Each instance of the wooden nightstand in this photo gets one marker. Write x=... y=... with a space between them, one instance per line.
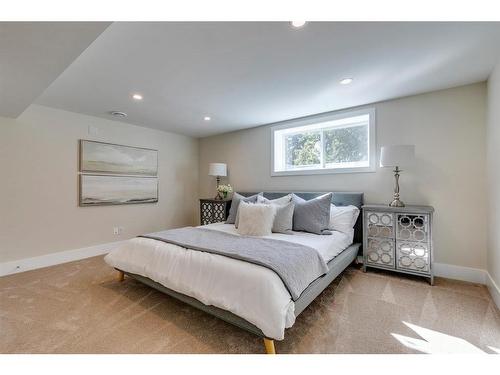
x=398 y=239
x=213 y=210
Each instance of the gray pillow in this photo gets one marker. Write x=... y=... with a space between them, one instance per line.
x=283 y=221
x=312 y=216
x=284 y=215
x=231 y=218
x=283 y=200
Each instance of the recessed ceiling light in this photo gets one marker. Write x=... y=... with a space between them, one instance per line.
x=207 y=118
x=346 y=81
x=298 y=24
x=118 y=114
x=137 y=96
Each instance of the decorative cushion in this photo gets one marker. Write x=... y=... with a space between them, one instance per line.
x=281 y=201
x=313 y=215
x=343 y=218
x=283 y=221
x=231 y=218
x=256 y=219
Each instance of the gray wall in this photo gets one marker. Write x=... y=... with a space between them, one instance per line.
x=39 y=211
x=449 y=130
x=493 y=168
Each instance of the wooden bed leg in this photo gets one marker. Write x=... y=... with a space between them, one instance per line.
x=269 y=344
x=121 y=276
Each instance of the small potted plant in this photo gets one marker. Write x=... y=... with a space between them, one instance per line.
x=223 y=191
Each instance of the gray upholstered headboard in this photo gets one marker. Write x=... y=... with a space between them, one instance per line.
x=339 y=198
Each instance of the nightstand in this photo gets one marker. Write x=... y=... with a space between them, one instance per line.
x=213 y=210
x=398 y=239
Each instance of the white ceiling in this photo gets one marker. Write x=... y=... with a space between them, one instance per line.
x=34 y=54
x=249 y=74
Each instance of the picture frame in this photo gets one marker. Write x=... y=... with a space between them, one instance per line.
x=111 y=158
x=114 y=174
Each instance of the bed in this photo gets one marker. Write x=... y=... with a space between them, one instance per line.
x=204 y=280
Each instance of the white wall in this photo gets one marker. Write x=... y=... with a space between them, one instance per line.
x=493 y=168
x=39 y=211
x=448 y=128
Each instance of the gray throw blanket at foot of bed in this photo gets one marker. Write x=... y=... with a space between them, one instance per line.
x=297 y=265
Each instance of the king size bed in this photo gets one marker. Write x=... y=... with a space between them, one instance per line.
x=260 y=284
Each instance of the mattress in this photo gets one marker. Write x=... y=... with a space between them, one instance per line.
x=259 y=296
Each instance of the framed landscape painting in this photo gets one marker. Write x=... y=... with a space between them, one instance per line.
x=111 y=189
x=108 y=158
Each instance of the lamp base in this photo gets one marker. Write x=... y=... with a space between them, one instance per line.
x=396 y=203
x=218 y=197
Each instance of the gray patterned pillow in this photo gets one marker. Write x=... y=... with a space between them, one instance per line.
x=283 y=221
x=281 y=201
x=231 y=218
x=313 y=215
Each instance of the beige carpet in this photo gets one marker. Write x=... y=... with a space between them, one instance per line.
x=79 y=308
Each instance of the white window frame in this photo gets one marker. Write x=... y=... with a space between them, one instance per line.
x=290 y=124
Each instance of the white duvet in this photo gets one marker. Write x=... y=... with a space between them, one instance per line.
x=252 y=292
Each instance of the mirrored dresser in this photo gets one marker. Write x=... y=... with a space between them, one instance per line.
x=398 y=239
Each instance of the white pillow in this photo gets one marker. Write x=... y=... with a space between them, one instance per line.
x=256 y=219
x=343 y=218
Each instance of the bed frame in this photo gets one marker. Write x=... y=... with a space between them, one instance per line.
x=336 y=266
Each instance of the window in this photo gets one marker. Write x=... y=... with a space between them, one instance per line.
x=334 y=143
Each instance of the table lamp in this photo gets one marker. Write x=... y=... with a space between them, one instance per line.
x=218 y=170
x=397 y=156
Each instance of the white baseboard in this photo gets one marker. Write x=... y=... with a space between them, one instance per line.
x=494 y=289
x=473 y=275
x=21 y=265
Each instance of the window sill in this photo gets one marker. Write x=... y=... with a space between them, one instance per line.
x=307 y=172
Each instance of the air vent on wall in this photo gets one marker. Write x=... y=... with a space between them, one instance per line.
x=118 y=114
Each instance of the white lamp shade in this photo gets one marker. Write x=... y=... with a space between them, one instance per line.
x=217 y=169
x=397 y=156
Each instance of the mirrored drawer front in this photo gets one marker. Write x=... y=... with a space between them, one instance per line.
x=380 y=251
x=412 y=227
x=380 y=224
x=413 y=256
